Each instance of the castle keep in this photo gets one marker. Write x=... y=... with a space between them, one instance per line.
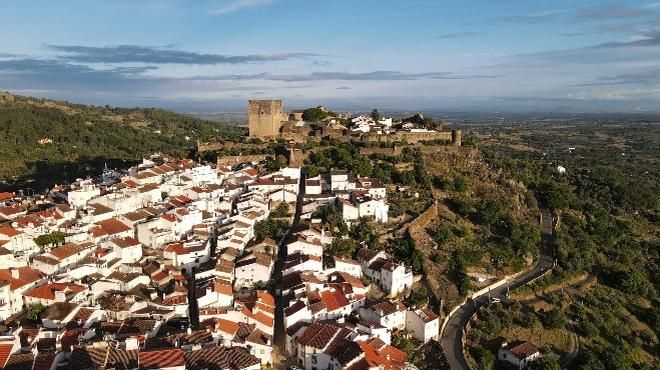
x=265 y=117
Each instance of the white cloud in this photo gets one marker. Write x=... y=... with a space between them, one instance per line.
x=236 y=5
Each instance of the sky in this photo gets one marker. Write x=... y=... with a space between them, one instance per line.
x=504 y=55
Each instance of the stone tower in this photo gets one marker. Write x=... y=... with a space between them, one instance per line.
x=456 y=137
x=264 y=117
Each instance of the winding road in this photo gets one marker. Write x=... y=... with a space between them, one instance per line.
x=452 y=337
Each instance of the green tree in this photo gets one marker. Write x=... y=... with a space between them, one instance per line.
x=486 y=359
x=555 y=318
x=315 y=114
x=343 y=248
x=34 y=312
x=282 y=210
x=490 y=211
x=375 y=115
x=54 y=238
x=544 y=363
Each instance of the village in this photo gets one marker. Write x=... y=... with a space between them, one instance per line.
x=177 y=264
x=159 y=266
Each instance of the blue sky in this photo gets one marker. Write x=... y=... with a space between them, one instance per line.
x=206 y=54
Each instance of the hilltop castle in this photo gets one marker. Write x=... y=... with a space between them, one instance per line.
x=267 y=119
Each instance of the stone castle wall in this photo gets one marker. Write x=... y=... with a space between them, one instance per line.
x=413 y=137
x=230 y=160
x=424 y=219
x=385 y=151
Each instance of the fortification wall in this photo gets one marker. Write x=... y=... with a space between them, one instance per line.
x=230 y=160
x=212 y=146
x=412 y=137
x=385 y=151
x=424 y=219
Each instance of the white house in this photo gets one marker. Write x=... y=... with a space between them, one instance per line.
x=310 y=246
x=388 y=313
x=127 y=249
x=519 y=353
x=364 y=206
x=423 y=323
x=252 y=268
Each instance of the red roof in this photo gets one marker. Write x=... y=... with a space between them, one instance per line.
x=251 y=171
x=225 y=326
x=98 y=232
x=334 y=299
x=176 y=300
x=169 y=217
x=113 y=226
x=161 y=359
x=5 y=351
x=9 y=231
x=6 y=195
x=66 y=250
x=125 y=242
x=47 y=291
x=387 y=356
x=26 y=275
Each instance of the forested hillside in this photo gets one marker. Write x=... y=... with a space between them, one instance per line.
x=41 y=141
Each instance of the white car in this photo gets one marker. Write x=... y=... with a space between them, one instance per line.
x=495 y=300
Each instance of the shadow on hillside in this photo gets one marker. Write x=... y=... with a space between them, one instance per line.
x=43 y=174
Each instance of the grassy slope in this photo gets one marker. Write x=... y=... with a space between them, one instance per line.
x=85 y=137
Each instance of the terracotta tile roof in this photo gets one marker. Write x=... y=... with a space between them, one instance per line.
x=175 y=300
x=223 y=288
x=58 y=311
x=224 y=265
x=343 y=277
x=120 y=359
x=522 y=349
x=387 y=357
x=7 y=195
x=125 y=242
x=21 y=361
x=169 y=217
x=259 y=337
x=87 y=358
x=26 y=275
x=427 y=315
x=113 y=226
x=68 y=250
x=225 y=326
x=220 y=358
x=98 y=232
x=299 y=305
x=47 y=291
x=82 y=315
x=176 y=248
x=9 y=231
x=161 y=358
x=47 y=260
x=318 y=335
x=334 y=299
x=11 y=210
x=387 y=307
x=44 y=361
x=345 y=351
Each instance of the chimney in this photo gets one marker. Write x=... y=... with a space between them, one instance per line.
x=60 y=296
x=15 y=273
x=132 y=343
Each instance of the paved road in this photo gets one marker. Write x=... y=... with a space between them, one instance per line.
x=452 y=338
